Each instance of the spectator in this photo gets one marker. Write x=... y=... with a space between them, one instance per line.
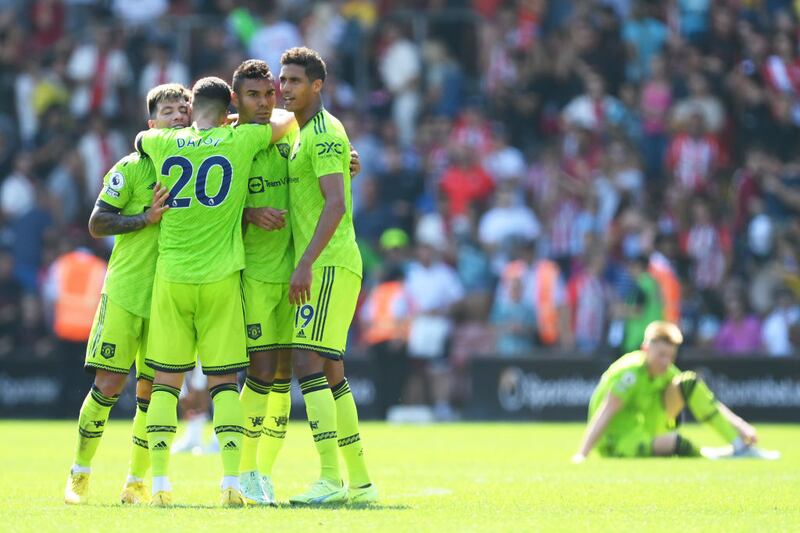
x=514 y=319
x=100 y=72
x=272 y=38
x=373 y=216
x=700 y=101
x=162 y=68
x=17 y=193
x=589 y=300
x=740 y=333
x=99 y=148
x=444 y=81
x=465 y=182
x=694 y=156
x=400 y=68
x=47 y=23
x=655 y=103
x=645 y=36
x=384 y=317
x=504 y=161
x=643 y=305
x=707 y=244
x=595 y=110
x=506 y=221
x=433 y=289
x=779 y=332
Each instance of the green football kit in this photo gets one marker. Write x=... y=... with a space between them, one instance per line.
x=321 y=325
x=119 y=334
x=643 y=416
x=197 y=305
x=269 y=255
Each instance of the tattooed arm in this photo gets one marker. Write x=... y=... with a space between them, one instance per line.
x=106 y=220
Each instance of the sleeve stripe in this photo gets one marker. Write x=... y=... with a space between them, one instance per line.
x=107 y=206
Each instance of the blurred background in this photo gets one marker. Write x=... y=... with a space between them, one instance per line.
x=540 y=179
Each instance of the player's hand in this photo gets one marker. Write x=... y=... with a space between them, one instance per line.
x=578 y=458
x=300 y=285
x=266 y=218
x=355 y=163
x=158 y=206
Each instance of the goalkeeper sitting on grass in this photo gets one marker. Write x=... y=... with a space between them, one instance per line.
x=633 y=410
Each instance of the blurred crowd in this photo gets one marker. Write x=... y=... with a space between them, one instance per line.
x=537 y=176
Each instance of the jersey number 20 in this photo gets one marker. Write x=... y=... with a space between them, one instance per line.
x=200 y=191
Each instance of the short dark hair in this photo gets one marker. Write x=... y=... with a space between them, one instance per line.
x=307 y=58
x=211 y=91
x=250 y=69
x=167 y=92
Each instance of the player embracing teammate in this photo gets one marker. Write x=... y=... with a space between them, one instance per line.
x=297 y=265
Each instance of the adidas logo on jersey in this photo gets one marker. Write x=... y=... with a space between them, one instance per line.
x=301 y=334
x=161 y=445
x=230 y=446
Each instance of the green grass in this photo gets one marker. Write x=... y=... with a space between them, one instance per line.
x=474 y=477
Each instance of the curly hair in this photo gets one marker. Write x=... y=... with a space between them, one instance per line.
x=307 y=58
x=251 y=69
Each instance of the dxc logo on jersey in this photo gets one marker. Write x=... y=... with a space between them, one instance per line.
x=328 y=148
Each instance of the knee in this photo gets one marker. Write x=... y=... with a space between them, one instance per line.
x=144 y=389
x=109 y=383
x=283 y=369
x=334 y=372
x=261 y=368
x=306 y=363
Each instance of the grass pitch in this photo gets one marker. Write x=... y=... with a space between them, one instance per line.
x=459 y=477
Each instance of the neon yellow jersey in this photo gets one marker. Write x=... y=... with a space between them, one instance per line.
x=269 y=255
x=321 y=148
x=206 y=172
x=628 y=379
x=128 y=187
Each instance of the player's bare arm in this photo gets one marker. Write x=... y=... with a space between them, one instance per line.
x=597 y=426
x=282 y=122
x=332 y=187
x=106 y=220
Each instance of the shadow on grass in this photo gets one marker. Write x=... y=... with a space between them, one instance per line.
x=265 y=508
x=348 y=506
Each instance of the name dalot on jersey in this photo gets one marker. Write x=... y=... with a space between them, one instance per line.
x=196 y=143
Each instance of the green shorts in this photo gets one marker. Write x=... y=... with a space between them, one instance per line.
x=321 y=325
x=118 y=340
x=637 y=442
x=190 y=322
x=268 y=315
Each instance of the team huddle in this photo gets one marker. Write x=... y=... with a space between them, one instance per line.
x=235 y=249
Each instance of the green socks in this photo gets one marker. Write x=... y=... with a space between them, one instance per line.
x=162 y=422
x=254 y=397
x=91 y=423
x=228 y=425
x=321 y=411
x=685 y=448
x=140 y=454
x=278 y=407
x=349 y=438
x=703 y=405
